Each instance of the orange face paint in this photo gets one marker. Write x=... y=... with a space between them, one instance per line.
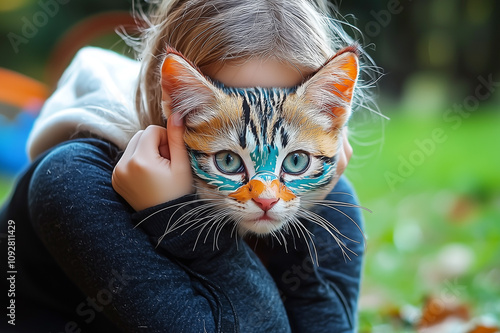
x=282 y=191
x=254 y=188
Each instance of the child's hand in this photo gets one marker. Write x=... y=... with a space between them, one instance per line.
x=155 y=166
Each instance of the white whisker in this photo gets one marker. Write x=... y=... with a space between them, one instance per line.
x=327 y=224
x=285 y=243
x=322 y=222
x=329 y=204
x=294 y=226
x=301 y=228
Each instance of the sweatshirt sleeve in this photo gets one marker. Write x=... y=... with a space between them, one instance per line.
x=94 y=95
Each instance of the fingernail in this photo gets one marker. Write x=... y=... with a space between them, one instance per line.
x=177 y=119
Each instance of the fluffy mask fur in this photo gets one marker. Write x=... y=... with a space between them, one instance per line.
x=261 y=156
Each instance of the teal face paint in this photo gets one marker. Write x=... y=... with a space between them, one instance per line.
x=221 y=182
x=265 y=158
x=314 y=182
x=264 y=177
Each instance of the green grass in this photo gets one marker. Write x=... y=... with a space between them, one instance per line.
x=448 y=205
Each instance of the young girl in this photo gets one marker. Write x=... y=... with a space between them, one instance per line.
x=84 y=266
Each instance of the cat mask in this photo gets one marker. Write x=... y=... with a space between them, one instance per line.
x=261 y=156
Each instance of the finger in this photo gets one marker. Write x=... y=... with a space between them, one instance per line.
x=344 y=154
x=175 y=132
x=164 y=149
x=341 y=164
x=346 y=145
x=131 y=146
x=152 y=138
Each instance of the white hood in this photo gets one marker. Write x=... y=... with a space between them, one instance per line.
x=95 y=96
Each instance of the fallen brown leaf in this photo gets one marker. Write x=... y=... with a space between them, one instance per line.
x=484 y=329
x=436 y=310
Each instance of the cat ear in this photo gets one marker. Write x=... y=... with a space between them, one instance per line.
x=331 y=88
x=184 y=87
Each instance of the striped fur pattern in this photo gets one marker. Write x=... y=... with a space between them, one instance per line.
x=261 y=157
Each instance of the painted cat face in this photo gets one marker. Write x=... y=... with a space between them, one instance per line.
x=261 y=155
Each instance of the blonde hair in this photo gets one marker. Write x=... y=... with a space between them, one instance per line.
x=300 y=32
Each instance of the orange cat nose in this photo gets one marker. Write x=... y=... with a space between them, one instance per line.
x=265 y=204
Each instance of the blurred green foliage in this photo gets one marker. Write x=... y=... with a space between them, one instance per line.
x=437 y=232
